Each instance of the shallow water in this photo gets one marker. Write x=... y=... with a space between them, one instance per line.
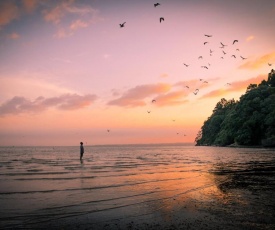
x=136 y=186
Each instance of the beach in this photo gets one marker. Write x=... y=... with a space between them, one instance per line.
x=137 y=187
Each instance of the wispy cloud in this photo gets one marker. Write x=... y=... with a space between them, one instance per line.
x=80 y=16
x=237 y=86
x=250 y=38
x=78 y=24
x=259 y=62
x=30 y=5
x=136 y=96
x=8 y=12
x=18 y=105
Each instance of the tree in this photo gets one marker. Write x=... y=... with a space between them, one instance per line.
x=249 y=121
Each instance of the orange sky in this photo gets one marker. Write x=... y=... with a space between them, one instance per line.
x=69 y=73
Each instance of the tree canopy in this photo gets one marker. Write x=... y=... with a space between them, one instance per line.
x=249 y=121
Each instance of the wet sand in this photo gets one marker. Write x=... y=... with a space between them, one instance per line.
x=151 y=188
x=247 y=201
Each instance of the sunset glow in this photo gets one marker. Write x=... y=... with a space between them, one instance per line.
x=69 y=72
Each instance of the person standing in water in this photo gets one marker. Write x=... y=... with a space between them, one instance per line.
x=81 y=150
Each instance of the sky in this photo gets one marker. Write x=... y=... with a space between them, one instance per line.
x=69 y=72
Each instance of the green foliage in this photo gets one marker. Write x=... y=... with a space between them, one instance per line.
x=250 y=121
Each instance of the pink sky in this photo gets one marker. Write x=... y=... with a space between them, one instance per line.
x=68 y=72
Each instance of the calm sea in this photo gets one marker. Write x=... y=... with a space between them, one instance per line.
x=143 y=185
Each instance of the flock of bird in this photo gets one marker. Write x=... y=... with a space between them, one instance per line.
x=208 y=36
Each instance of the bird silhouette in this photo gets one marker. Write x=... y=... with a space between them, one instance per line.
x=200 y=57
x=228 y=84
x=161 y=19
x=224 y=53
x=233 y=56
x=156 y=4
x=204 y=67
x=108 y=130
x=223 y=44
x=196 y=91
x=187 y=87
x=148 y=111
x=153 y=101
x=235 y=41
x=209 y=36
x=237 y=50
x=205 y=43
x=186 y=65
x=122 y=24
x=243 y=57
x=269 y=64
x=205 y=82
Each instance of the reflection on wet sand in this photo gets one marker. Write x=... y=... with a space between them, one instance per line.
x=247 y=190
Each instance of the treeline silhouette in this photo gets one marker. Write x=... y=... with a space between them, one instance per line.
x=249 y=121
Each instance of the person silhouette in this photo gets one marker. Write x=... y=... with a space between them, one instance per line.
x=81 y=150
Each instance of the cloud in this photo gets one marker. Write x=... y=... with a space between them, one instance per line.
x=238 y=86
x=136 y=96
x=164 y=75
x=8 y=12
x=78 y=24
x=78 y=15
x=13 y=36
x=172 y=98
x=30 y=5
x=18 y=105
x=259 y=62
x=250 y=38
x=194 y=84
x=55 y=14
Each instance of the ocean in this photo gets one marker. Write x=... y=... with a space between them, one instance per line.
x=171 y=186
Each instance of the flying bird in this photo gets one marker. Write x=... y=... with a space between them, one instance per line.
x=233 y=56
x=269 y=64
x=196 y=91
x=108 y=130
x=228 y=84
x=204 y=67
x=205 y=43
x=243 y=57
x=235 y=41
x=186 y=65
x=237 y=50
x=223 y=44
x=161 y=19
x=187 y=87
x=148 y=111
x=205 y=82
x=122 y=24
x=153 y=101
x=224 y=53
x=209 y=36
x=156 y=4
x=200 y=57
